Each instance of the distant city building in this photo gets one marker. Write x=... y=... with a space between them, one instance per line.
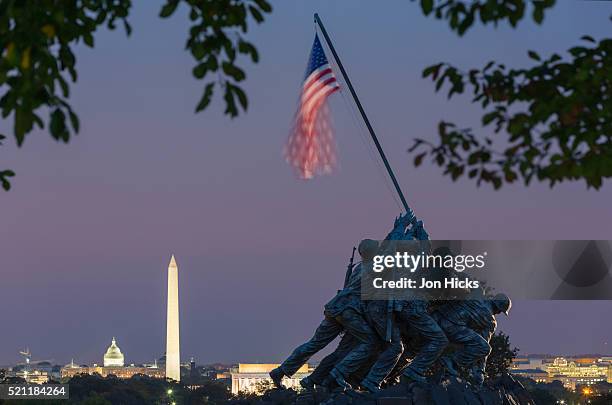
x=33 y=377
x=248 y=378
x=113 y=356
x=113 y=364
x=33 y=372
x=528 y=363
x=529 y=367
x=572 y=373
x=536 y=374
x=72 y=370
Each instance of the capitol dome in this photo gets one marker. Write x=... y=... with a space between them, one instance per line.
x=113 y=356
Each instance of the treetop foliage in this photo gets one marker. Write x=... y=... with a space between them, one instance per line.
x=555 y=117
x=548 y=122
x=38 y=63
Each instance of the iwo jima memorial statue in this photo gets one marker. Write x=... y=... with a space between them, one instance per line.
x=425 y=347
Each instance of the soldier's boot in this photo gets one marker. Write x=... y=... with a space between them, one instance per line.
x=410 y=376
x=277 y=375
x=449 y=365
x=339 y=378
x=307 y=384
x=370 y=386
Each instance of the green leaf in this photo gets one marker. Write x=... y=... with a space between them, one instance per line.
x=127 y=27
x=74 y=121
x=533 y=55
x=427 y=6
x=587 y=38
x=465 y=24
x=206 y=97
x=457 y=172
x=248 y=48
x=230 y=104
x=577 y=51
x=168 y=9
x=232 y=70
x=200 y=70
x=487 y=118
x=6 y=185
x=23 y=124
x=432 y=70
x=198 y=51
x=538 y=14
x=510 y=176
x=58 y=126
x=242 y=98
x=256 y=14
x=419 y=159
x=264 y=5
x=89 y=40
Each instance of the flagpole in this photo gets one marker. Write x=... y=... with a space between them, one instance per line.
x=362 y=112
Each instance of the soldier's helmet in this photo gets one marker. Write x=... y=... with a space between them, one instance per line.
x=367 y=249
x=502 y=303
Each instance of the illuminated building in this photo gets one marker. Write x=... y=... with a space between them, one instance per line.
x=113 y=365
x=526 y=363
x=173 y=366
x=247 y=377
x=584 y=360
x=33 y=377
x=519 y=362
x=72 y=370
x=113 y=356
x=572 y=374
x=536 y=374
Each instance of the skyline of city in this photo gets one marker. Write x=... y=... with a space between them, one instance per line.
x=172 y=341
x=173 y=299
x=88 y=227
x=159 y=358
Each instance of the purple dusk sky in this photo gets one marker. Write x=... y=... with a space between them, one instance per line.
x=87 y=231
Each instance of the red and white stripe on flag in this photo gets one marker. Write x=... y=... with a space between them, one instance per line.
x=311 y=147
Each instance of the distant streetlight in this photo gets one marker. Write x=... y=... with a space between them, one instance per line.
x=169 y=392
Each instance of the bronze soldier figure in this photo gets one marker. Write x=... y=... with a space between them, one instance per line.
x=471 y=323
x=342 y=313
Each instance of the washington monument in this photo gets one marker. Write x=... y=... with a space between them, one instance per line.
x=173 y=357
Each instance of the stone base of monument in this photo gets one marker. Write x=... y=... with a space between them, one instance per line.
x=503 y=391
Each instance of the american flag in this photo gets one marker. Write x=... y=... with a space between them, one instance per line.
x=311 y=148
